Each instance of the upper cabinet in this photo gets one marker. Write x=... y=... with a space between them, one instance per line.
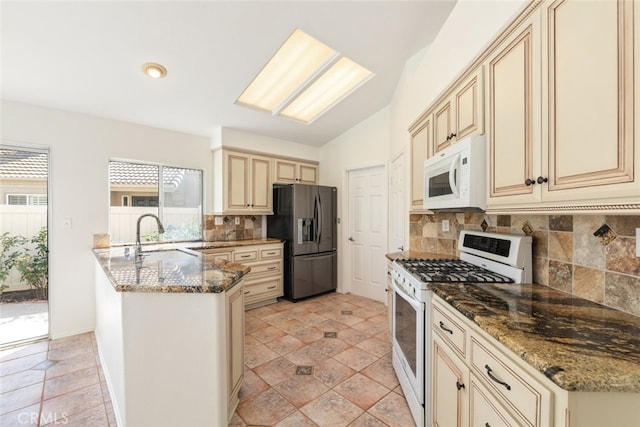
x=461 y=113
x=291 y=172
x=243 y=180
x=421 y=148
x=580 y=153
x=513 y=110
x=242 y=183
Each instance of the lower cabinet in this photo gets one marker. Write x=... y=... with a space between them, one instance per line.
x=450 y=394
x=490 y=386
x=263 y=284
x=234 y=299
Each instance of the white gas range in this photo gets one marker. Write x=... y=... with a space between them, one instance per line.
x=484 y=258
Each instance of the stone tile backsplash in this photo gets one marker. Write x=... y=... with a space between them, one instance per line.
x=590 y=256
x=250 y=227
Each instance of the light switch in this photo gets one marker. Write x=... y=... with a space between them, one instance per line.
x=218 y=220
x=445 y=225
x=237 y=220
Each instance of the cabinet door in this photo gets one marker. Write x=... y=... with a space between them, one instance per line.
x=235 y=343
x=588 y=88
x=469 y=106
x=513 y=112
x=261 y=193
x=237 y=181
x=307 y=173
x=285 y=171
x=421 y=140
x=449 y=388
x=442 y=125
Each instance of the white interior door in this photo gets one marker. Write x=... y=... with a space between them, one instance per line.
x=368 y=232
x=397 y=213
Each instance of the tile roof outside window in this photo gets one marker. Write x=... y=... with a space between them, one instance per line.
x=18 y=164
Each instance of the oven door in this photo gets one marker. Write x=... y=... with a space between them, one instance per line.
x=408 y=338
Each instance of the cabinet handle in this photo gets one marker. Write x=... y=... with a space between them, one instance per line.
x=271 y=287
x=541 y=180
x=453 y=135
x=459 y=385
x=247 y=292
x=247 y=204
x=273 y=267
x=271 y=253
x=445 y=329
x=489 y=372
x=245 y=256
x=487 y=425
x=529 y=182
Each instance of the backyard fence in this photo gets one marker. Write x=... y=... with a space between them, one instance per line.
x=26 y=221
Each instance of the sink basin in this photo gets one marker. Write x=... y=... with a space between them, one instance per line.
x=167 y=255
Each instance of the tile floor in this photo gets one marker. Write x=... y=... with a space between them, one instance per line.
x=325 y=361
x=55 y=382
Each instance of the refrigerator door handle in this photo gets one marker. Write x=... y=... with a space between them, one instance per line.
x=315 y=218
x=320 y=219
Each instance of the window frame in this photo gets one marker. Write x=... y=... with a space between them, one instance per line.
x=161 y=198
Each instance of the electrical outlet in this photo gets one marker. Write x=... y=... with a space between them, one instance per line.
x=218 y=220
x=237 y=220
x=445 y=225
x=638 y=242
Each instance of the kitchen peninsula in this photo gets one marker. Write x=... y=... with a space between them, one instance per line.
x=170 y=331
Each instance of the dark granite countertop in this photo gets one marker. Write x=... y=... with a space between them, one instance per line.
x=577 y=344
x=169 y=268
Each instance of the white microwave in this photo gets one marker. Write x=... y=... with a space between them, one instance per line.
x=456 y=177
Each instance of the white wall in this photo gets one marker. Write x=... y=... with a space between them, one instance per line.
x=80 y=148
x=251 y=141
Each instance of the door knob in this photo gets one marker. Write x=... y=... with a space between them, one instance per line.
x=540 y=180
x=529 y=182
x=351 y=239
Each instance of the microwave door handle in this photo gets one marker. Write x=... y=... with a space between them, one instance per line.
x=452 y=180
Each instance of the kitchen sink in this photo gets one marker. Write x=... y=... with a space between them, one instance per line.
x=167 y=255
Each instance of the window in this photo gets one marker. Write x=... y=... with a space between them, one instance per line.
x=173 y=194
x=27 y=199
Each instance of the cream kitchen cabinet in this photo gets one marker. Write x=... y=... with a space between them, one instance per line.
x=242 y=183
x=486 y=384
x=450 y=394
x=461 y=113
x=501 y=389
x=291 y=172
x=421 y=149
x=235 y=345
x=581 y=154
x=263 y=284
x=513 y=111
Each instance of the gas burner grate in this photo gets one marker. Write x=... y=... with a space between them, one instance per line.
x=450 y=270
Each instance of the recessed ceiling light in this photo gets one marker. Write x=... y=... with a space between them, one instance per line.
x=153 y=70
x=303 y=80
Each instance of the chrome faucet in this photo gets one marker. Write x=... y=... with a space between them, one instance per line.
x=138 y=254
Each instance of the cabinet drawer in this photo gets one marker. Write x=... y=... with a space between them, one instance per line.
x=451 y=330
x=218 y=255
x=270 y=253
x=485 y=410
x=524 y=395
x=261 y=288
x=245 y=256
x=266 y=267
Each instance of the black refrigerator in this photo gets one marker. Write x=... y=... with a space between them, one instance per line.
x=305 y=218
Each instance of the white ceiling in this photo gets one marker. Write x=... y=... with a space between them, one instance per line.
x=87 y=57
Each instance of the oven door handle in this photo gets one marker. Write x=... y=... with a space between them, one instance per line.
x=408 y=298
